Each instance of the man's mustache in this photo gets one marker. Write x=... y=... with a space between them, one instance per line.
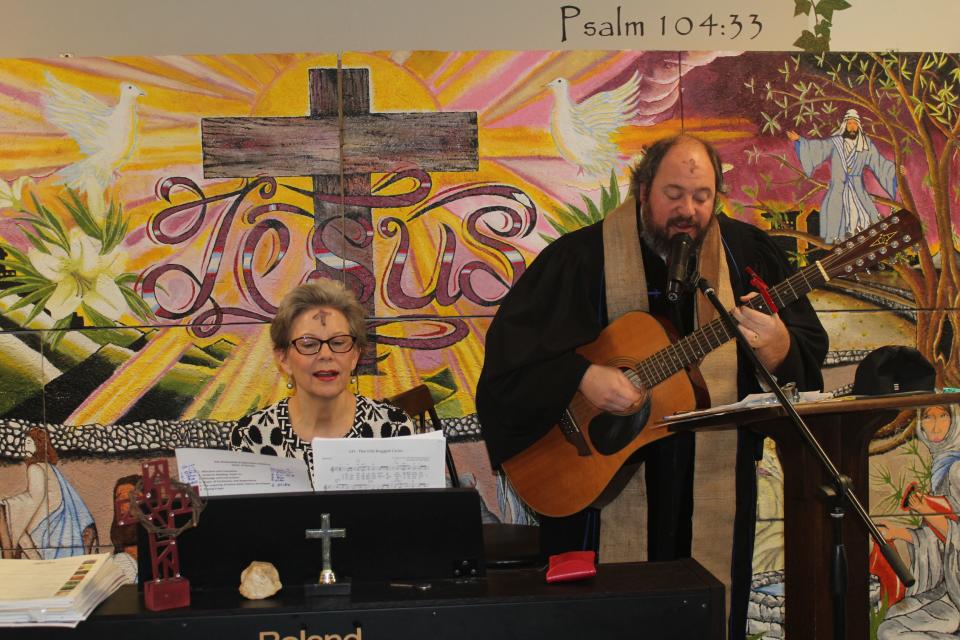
x=682 y=221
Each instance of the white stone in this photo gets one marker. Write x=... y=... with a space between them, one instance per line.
x=259 y=580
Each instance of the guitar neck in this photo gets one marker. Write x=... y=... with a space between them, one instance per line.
x=881 y=241
x=695 y=346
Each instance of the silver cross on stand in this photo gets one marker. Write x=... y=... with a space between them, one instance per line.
x=327 y=584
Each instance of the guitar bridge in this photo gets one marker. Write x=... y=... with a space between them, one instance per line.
x=570 y=431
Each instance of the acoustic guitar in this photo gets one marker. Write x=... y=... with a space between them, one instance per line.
x=569 y=468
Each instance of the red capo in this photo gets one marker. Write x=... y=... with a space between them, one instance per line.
x=757 y=283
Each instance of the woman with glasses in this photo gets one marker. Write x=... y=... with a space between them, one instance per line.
x=318 y=335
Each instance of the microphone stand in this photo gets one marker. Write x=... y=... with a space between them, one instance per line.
x=841 y=493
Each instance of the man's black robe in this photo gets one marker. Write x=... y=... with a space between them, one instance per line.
x=531 y=372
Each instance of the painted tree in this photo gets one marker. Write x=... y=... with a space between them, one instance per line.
x=908 y=104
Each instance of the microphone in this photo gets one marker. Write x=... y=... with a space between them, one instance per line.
x=681 y=245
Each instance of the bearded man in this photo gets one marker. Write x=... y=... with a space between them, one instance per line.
x=847 y=207
x=700 y=491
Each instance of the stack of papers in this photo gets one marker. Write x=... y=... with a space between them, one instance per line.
x=339 y=464
x=406 y=462
x=55 y=593
x=215 y=472
x=750 y=401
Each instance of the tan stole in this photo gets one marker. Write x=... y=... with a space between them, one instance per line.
x=623 y=529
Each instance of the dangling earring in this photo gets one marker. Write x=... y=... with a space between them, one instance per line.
x=291 y=386
x=355 y=382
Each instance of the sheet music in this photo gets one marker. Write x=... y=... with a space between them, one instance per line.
x=405 y=462
x=224 y=473
x=751 y=400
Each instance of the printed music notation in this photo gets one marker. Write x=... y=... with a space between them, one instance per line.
x=340 y=464
x=406 y=462
x=406 y=475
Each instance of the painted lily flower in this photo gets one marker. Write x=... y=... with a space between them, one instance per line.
x=82 y=276
x=11 y=193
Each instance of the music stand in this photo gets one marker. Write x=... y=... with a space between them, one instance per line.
x=394 y=534
x=844 y=427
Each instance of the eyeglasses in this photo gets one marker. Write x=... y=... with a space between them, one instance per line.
x=308 y=345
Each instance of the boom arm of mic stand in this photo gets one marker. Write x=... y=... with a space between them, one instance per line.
x=843 y=491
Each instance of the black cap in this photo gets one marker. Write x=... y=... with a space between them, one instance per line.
x=893 y=369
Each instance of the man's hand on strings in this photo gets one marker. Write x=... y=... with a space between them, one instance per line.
x=609 y=389
x=765 y=333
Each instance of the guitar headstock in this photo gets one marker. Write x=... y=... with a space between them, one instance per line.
x=874 y=245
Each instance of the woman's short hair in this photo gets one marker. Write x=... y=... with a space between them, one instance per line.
x=319 y=293
x=642 y=175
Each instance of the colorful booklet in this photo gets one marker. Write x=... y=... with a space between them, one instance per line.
x=60 y=592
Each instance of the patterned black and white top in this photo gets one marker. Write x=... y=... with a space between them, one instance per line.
x=269 y=431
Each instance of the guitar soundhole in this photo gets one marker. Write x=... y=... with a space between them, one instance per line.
x=609 y=433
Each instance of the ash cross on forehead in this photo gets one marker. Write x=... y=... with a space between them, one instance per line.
x=692 y=164
x=322 y=314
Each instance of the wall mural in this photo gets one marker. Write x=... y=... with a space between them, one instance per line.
x=154 y=210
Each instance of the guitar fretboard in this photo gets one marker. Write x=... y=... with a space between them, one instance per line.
x=882 y=240
x=691 y=348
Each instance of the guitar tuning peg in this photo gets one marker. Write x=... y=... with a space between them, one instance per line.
x=856 y=277
x=866 y=271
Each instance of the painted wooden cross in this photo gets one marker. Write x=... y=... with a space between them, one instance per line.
x=310 y=146
x=326 y=533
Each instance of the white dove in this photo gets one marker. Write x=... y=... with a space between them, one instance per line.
x=582 y=132
x=107 y=136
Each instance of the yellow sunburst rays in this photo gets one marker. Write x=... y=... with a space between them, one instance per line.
x=451 y=67
x=408 y=367
x=421 y=274
x=463 y=74
x=429 y=65
x=248 y=380
x=403 y=372
x=570 y=65
x=40 y=146
x=185 y=89
x=530 y=141
x=26 y=143
x=465 y=360
x=423 y=262
x=141 y=372
x=422 y=268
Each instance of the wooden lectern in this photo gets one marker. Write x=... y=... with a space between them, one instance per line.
x=844 y=427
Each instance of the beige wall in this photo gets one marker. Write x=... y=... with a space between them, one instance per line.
x=46 y=28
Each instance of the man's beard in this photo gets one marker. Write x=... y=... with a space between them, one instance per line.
x=658 y=240
x=850 y=135
x=123 y=535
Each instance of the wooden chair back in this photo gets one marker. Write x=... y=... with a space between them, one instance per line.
x=419 y=405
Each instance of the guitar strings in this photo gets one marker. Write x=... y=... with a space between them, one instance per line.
x=667 y=361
